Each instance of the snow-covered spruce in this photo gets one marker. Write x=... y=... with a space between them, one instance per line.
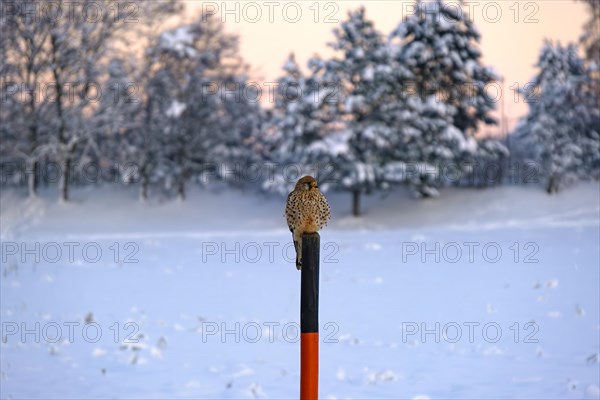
x=560 y=129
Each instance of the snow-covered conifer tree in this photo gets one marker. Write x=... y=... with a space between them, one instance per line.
x=439 y=44
x=293 y=135
x=197 y=88
x=558 y=127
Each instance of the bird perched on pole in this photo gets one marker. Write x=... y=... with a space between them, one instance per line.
x=306 y=211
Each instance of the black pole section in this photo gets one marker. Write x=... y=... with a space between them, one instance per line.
x=309 y=288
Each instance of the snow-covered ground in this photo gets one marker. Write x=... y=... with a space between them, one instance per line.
x=477 y=294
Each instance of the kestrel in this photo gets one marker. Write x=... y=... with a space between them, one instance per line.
x=306 y=211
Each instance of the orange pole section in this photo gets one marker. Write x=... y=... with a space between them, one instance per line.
x=309 y=366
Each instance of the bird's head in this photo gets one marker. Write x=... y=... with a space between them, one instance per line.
x=307 y=183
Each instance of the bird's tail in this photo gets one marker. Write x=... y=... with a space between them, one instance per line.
x=298 y=246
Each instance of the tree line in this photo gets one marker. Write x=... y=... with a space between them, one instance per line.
x=164 y=107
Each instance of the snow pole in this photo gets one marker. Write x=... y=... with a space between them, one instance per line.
x=309 y=317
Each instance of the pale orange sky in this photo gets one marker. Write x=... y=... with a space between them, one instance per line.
x=512 y=32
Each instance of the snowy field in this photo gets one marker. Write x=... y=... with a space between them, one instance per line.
x=477 y=294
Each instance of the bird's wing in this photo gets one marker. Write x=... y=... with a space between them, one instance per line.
x=287 y=202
